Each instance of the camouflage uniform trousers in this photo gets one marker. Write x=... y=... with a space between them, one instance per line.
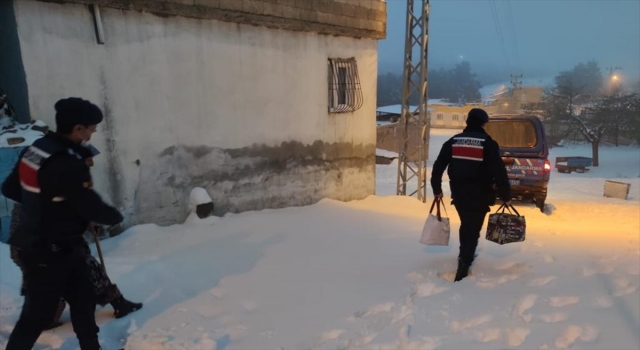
x=105 y=290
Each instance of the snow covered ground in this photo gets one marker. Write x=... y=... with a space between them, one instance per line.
x=353 y=276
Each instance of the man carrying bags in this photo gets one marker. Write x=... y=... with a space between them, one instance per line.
x=474 y=166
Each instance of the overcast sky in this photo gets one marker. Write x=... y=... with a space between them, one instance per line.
x=540 y=37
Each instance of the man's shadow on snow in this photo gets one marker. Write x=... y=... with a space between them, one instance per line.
x=197 y=268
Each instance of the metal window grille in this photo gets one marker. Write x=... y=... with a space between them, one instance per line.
x=345 y=92
x=440 y=116
x=455 y=117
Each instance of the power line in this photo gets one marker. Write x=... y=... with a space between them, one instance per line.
x=496 y=22
x=513 y=34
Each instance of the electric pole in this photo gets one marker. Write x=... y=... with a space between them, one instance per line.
x=412 y=158
x=514 y=81
x=515 y=104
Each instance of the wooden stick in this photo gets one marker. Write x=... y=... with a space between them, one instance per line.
x=97 y=239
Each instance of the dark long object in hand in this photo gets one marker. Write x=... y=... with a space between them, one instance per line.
x=97 y=239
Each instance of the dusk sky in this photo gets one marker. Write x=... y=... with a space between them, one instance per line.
x=540 y=37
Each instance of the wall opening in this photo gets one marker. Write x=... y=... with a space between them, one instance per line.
x=345 y=92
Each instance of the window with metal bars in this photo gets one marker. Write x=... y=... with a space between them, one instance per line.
x=345 y=92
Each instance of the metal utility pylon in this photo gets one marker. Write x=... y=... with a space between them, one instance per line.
x=412 y=160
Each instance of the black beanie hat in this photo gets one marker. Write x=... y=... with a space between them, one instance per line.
x=477 y=117
x=74 y=111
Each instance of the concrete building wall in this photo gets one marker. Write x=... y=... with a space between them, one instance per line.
x=353 y=18
x=238 y=109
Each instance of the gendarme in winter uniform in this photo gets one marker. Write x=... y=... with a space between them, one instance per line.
x=475 y=167
x=106 y=291
x=53 y=183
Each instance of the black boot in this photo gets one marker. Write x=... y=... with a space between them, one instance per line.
x=463 y=271
x=122 y=307
x=62 y=304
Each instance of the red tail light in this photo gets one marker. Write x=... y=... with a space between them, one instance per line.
x=547 y=166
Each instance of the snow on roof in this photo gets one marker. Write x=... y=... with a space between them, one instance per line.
x=439 y=102
x=384 y=153
x=490 y=92
x=21 y=135
x=397 y=109
x=393 y=109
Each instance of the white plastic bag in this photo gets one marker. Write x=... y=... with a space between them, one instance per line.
x=436 y=230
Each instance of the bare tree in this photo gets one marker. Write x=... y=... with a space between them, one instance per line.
x=569 y=105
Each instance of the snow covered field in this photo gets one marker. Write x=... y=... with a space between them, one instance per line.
x=353 y=276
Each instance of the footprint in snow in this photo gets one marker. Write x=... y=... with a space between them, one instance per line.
x=218 y=292
x=424 y=290
x=554 y=317
x=589 y=271
x=405 y=312
x=624 y=287
x=603 y=302
x=457 y=326
x=523 y=305
x=634 y=270
x=542 y=281
x=507 y=265
x=517 y=336
x=415 y=277
x=563 y=301
x=331 y=335
x=377 y=309
x=448 y=276
x=249 y=305
x=486 y=335
x=538 y=244
x=494 y=282
x=572 y=333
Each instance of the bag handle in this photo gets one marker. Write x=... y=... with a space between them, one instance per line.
x=444 y=208
x=508 y=208
x=436 y=203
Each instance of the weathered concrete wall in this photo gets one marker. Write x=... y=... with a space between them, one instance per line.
x=12 y=76
x=237 y=109
x=353 y=18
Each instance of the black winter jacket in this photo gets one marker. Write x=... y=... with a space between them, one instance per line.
x=474 y=168
x=53 y=183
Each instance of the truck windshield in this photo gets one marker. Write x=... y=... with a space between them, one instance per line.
x=512 y=133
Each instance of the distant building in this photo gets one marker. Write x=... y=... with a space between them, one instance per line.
x=441 y=114
x=510 y=101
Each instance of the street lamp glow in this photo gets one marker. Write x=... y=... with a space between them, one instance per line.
x=614 y=78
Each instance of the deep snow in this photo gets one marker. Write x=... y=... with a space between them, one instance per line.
x=353 y=275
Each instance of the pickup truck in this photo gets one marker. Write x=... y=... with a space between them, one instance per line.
x=525 y=151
